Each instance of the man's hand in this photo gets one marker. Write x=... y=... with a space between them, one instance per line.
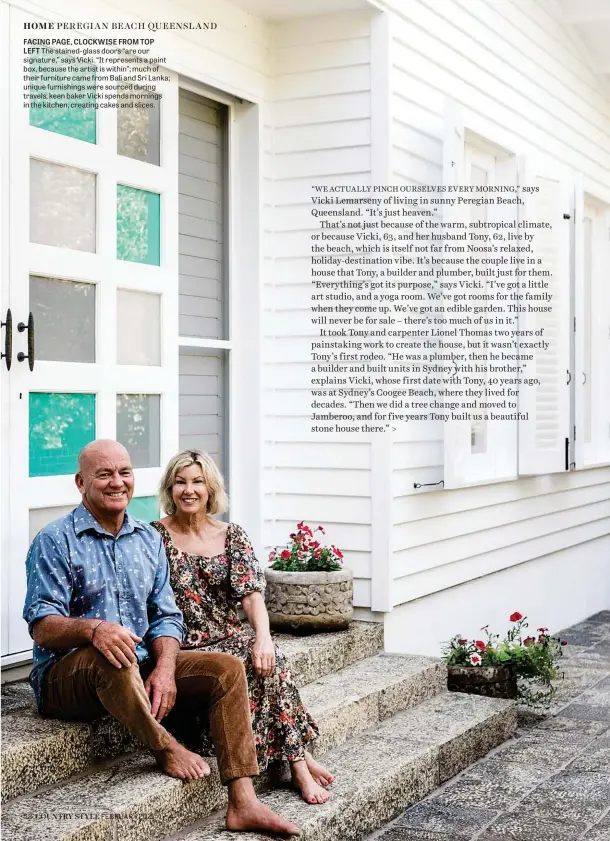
x=263 y=655
x=161 y=688
x=116 y=643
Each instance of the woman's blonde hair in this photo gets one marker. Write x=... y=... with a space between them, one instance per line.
x=218 y=502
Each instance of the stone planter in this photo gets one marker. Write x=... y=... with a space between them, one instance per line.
x=309 y=602
x=491 y=681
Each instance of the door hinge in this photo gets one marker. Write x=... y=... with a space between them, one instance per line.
x=567 y=453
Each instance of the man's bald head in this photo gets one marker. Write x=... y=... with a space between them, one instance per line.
x=103 y=448
x=105 y=481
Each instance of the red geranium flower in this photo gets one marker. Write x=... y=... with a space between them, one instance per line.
x=516 y=616
x=462 y=642
x=563 y=642
x=285 y=554
x=337 y=552
x=528 y=640
x=542 y=630
x=480 y=645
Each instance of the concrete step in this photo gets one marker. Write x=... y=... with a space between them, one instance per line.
x=379 y=773
x=39 y=752
x=386 y=769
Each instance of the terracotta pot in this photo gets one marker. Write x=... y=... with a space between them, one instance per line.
x=492 y=681
x=309 y=602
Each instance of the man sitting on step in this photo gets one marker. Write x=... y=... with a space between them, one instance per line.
x=107 y=636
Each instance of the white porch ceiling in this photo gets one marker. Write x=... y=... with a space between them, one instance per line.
x=591 y=22
x=277 y=10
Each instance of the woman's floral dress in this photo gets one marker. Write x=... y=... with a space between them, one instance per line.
x=207 y=592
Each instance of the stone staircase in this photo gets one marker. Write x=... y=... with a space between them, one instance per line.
x=389 y=731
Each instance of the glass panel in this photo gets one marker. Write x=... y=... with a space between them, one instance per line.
x=41 y=517
x=138 y=427
x=64 y=314
x=74 y=117
x=138 y=225
x=62 y=206
x=138 y=330
x=587 y=328
x=138 y=128
x=203 y=410
x=144 y=508
x=60 y=426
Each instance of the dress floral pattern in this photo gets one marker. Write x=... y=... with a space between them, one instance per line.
x=208 y=591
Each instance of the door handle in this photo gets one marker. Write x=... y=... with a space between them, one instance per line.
x=30 y=354
x=8 y=339
x=568 y=375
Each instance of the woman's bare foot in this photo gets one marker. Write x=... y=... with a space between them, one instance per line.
x=247 y=813
x=179 y=762
x=317 y=771
x=311 y=791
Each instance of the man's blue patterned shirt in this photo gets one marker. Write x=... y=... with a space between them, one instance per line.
x=76 y=568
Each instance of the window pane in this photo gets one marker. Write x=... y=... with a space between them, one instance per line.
x=138 y=328
x=203 y=403
x=138 y=129
x=62 y=206
x=64 y=315
x=144 y=508
x=75 y=117
x=138 y=225
x=139 y=428
x=60 y=426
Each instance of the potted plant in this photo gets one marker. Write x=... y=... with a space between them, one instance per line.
x=514 y=667
x=308 y=589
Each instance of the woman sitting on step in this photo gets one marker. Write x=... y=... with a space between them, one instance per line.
x=213 y=568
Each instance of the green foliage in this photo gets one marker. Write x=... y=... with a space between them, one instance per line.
x=533 y=660
x=305 y=554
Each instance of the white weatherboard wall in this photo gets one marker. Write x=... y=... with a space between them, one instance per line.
x=539 y=545
x=318 y=131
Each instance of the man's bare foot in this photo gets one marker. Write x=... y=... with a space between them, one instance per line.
x=247 y=813
x=179 y=762
x=317 y=771
x=311 y=791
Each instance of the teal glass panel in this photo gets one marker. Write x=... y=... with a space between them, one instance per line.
x=138 y=427
x=60 y=425
x=52 y=77
x=144 y=508
x=138 y=223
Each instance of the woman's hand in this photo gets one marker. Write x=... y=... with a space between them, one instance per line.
x=263 y=655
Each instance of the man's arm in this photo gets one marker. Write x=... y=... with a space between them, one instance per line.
x=116 y=643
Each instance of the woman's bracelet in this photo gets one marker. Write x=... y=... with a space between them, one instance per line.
x=101 y=622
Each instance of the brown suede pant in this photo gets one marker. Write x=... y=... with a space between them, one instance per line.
x=84 y=685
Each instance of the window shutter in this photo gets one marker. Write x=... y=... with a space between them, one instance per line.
x=496 y=461
x=592 y=327
x=542 y=436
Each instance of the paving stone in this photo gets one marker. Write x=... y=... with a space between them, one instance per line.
x=517 y=827
x=500 y=783
x=601 y=830
x=573 y=797
x=595 y=757
x=559 y=724
x=462 y=822
x=543 y=749
x=402 y=833
x=587 y=712
x=603 y=618
x=585 y=633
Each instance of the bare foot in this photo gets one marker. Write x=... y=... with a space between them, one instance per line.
x=256 y=817
x=179 y=762
x=317 y=771
x=247 y=813
x=311 y=791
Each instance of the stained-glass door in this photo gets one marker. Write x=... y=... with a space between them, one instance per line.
x=93 y=289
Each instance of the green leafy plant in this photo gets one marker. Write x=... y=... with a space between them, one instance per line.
x=533 y=660
x=303 y=553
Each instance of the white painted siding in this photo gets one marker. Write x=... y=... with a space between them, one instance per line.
x=317 y=131
x=520 y=79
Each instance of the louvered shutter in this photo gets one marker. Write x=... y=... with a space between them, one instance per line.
x=496 y=460
x=544 y=432
x=592 y=327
